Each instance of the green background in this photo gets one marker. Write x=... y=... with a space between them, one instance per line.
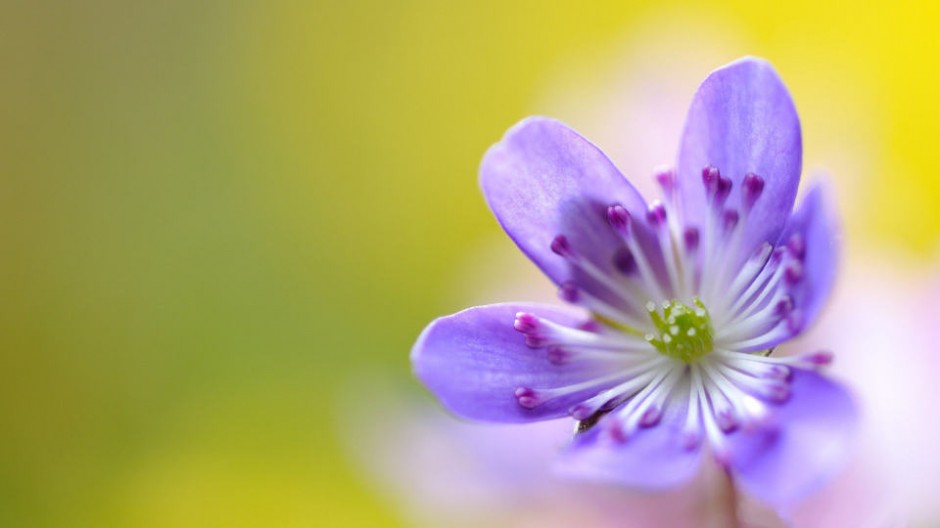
x=217 y=217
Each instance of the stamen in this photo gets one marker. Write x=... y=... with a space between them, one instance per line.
x=542 y=333
x=637 y=377
x=710 y=177
x=767 y=388
x=722 y=406
x=657 y=401
x=624 y=261
x=766 y=281
x=561 y=247
x=797 y=246
x=729 y=220
x=623 y=289
x=568 y=292
x=633 y=412
x=531 y=398
x=691 y=238
x=793 y=273
x=619 y=219
x=666 y=177
x=656 y=214
x=783 y=330
x=722 y=191
x=758 y=319
x=812 y=360
x=746 y=275
x=751 y=187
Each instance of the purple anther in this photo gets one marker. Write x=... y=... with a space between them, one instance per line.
x=527 y=397
x=666 y=177
x=581 y=411
x=710 y=177
x=777 y=391
x=619 y=218
x=561 y=247
x=729 y=219
x=568 y=293
x=752 y=187
x=526 y=323
x=590 y=326
x=777 y=256
x=795 y=321
x=535 y=340
x=690 y=440
x=784 y=306
x=794 y=273
x=723 y=190
x=691 y=237
x=797 y=246
x=558 y=355
x=778 y=372
x=819 y=359
x=651 y=416
x=616 y=431
x=726 y=420
x=656 y=214
x=624 y=261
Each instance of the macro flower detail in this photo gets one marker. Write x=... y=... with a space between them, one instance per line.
x=664 y=351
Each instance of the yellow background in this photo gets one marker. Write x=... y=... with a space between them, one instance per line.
x=217 y=218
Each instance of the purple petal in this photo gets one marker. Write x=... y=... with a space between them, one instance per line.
x=474 y=361
x=742 y=121
x=650 y=457
x=543 y=180
x=804 y=444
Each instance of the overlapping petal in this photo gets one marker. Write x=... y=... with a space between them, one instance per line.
x=802 y=445
x=474 y=361
x=742 y=120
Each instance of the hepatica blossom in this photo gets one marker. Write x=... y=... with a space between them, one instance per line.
x=676 y=306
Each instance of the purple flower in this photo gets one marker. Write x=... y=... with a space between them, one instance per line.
x=676 y=304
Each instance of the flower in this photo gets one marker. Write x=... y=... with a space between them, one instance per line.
x=676 y=305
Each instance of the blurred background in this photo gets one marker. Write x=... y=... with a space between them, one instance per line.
x=223 y=224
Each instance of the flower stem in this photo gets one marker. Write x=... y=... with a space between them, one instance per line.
x=728 y=499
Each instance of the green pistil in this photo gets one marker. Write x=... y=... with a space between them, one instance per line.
x=683 y=332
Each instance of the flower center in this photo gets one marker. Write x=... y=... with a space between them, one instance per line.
x=683 y=332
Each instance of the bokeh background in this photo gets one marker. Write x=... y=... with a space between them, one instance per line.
x=223 y=224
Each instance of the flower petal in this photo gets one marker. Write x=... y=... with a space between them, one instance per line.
x=804 y=444
x=544 y=179
x=651 y=457
x=741 y=121
x=474 y=361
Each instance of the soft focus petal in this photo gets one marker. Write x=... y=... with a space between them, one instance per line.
x=651 y=458
x=474 y=361
x=742 y=120
x=803 y=445
x=544 y=179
